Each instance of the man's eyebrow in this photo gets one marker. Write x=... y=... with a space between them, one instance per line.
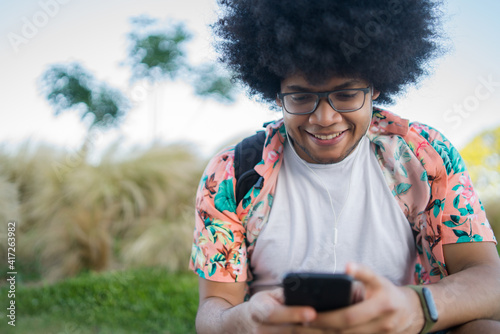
x=347 y=84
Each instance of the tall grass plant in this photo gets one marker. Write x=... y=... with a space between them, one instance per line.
x=120 y=213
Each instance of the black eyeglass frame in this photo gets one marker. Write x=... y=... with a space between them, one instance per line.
x=325 y=94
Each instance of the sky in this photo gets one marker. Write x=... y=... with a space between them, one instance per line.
x=461 y=97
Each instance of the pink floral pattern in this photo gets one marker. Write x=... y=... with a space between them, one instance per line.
x=465 y=190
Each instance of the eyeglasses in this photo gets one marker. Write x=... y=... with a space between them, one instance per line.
x=343 y=100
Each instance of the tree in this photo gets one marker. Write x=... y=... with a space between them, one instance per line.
x=71 y=87
x=207 y=82
x=156 y=53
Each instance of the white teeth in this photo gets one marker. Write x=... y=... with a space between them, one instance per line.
x=328 y=137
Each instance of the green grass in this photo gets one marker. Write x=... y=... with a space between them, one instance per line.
x=137 y=301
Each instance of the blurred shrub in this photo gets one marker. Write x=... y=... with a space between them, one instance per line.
x=120 y=213
x=482 y=157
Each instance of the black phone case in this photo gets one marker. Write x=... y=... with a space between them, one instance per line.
x=324 y=292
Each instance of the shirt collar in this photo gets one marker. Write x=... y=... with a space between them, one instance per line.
x=385 y=122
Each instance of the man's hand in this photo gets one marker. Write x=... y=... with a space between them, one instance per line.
x=269 y=315
x=385 y=309
x=222 y=311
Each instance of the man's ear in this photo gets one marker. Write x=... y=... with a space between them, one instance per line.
x=278 y=102
x=375 y=94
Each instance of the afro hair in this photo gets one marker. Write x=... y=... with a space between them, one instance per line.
x=387 y=42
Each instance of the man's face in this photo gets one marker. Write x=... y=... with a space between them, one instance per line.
x=326 y=136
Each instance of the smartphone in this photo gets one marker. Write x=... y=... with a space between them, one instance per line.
x=324 y=292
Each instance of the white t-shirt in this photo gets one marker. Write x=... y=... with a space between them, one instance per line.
x=299 y=235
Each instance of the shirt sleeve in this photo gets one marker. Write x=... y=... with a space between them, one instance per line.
x=464 y=218
x=219 y=246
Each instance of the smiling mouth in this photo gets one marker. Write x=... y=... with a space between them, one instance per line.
x=328 y=137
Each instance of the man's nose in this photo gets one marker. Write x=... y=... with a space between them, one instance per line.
x=324 y=114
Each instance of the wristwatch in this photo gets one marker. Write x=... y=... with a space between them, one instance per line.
x=428 y=306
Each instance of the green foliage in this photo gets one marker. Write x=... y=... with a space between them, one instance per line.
x=156 y=52
x=208 y=82
x=138 y=301
x=72 y=87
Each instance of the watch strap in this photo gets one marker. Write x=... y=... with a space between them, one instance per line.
x=428 y=306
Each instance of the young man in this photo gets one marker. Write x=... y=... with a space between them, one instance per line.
x=344 y=187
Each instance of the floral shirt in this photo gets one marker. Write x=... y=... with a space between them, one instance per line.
x=425 y=172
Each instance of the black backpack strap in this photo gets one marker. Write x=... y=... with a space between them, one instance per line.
x=247 y=154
